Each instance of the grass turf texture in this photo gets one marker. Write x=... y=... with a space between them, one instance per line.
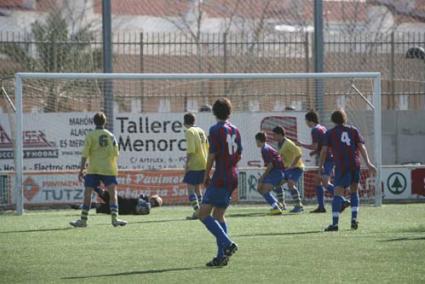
x=163 y=247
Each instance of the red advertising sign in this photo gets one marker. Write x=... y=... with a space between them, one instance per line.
x=366 y=186
x=166 y=183
x=418 y=181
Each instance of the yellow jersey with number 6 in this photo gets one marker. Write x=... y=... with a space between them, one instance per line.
x=101 y=151
x=197 y=147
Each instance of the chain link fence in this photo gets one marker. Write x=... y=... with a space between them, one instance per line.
x=403 y=84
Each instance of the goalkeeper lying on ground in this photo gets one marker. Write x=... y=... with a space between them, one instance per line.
x=126 y=206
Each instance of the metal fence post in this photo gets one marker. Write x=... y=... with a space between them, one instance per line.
x=142 y=70
x=225 y=60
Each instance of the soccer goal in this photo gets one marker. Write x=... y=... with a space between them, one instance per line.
x=54 y=111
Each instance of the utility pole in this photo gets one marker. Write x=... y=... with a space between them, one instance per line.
x=318 y=55
x=108 y=94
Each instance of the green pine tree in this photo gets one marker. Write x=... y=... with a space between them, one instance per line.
x=397 y=185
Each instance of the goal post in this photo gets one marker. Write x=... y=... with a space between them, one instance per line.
x=243 y=83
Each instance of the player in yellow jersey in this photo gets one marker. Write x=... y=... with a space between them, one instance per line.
x=196 y=161
x=294 y=167
x=100 y=152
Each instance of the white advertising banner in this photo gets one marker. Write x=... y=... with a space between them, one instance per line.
x=247 y=186
x=60 y=188
x=397 y=182
x=53 y=141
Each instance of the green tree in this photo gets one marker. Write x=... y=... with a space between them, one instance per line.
x=55 y=49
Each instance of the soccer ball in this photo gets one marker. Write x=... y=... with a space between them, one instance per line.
x=155 y=200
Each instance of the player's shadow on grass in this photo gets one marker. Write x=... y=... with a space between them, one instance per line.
x=404 y=239
x=159 y=221
x=250 y=214
x=417 y=229
x=37 y=230
x=150 y=271
x=277 y=234
x=259 y=214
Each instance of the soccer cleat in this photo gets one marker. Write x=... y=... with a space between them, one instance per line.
x=230 y=250
x=118 y=222
x=218 y=262
x=346 y=204
x=297 y=209
x=318 y=210
x=78 y=223
x=276 y=211
x=331 y=228
x=282 y=205
x=354 y=224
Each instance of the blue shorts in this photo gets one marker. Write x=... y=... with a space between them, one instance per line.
x=93 y=180
x=328 y=167
x=275 y=177
x=194 y=177
x=346 y=179
x=217 y=197
x=293 y=174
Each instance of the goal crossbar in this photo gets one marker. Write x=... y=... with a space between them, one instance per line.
x=195 y=76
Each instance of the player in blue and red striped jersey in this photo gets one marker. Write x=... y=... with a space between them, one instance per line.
x=347 y=145
x=225 y=151
x=318 y=132
x=273 y=174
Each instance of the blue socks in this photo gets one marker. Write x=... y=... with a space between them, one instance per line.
x=217 y=230
x=337 y=205
x=320 y=193
x=220 y=251
x=270 y=199
x=320 y=196
x=355 y=202
x=336 y=209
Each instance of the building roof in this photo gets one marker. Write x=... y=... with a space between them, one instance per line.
x=286 y=11
x=249 y=9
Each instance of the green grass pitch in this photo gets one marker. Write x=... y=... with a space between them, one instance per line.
x=163 y=247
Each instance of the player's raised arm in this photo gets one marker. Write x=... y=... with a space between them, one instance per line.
x=82 y=168
x=212 y=141
x=239 y=144
x=210 y=162
x=190 y=148
x=268 y=162
x=365 y=156
x=326 y=143
x=322 y=158
x=84 y=155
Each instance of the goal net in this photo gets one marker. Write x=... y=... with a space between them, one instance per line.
x=54 y=112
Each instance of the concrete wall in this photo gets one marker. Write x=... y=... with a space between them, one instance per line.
x=403 y=138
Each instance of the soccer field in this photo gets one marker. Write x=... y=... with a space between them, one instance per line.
x=163 y=247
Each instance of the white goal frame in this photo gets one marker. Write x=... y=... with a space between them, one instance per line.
x=19 y=77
